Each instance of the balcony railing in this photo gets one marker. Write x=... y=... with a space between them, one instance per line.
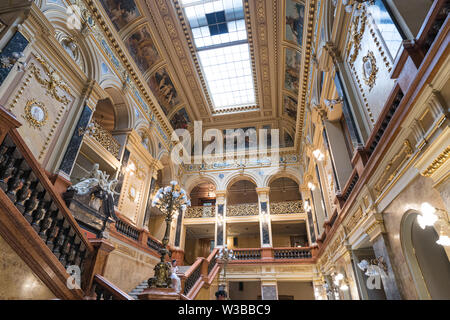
x=139 y=237
x=105 y=138
x=245 y=209
x=292 y=253
x=286 y=207
x=272 y=255
x=200 y=212
x=247 y=254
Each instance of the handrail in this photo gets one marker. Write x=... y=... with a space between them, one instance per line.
x=105 y=290
x=247 y=253
x=273 y=255
x=199 y=275
x=139 y=238
x=26 y=188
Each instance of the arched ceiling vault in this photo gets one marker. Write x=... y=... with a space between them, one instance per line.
x=162 y=44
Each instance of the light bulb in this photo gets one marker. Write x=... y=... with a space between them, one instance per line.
x=344 y=287
x=339 y=277
x=443 y=241
x=428 y=217
x=311 y=186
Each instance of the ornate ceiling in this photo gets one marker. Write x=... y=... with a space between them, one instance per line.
x=159 y=41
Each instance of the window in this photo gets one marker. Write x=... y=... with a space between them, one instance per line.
x=221 y=42
x=386 y=27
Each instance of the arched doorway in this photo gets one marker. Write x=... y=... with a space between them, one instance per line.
x=427 y=261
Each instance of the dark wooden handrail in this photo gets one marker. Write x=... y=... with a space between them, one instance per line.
x=105 y=290
x=29 y=198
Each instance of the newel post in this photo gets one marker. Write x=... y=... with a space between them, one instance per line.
x=97 y=262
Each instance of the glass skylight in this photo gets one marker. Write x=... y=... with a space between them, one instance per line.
x=220 y=37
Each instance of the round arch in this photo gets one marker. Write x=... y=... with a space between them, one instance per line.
x=193 y=181
x=415 y=244
x=233 y=178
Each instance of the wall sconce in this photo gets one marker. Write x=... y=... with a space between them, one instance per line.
x=9 y=62
x=131 y=168
x=344 y=285
x=306 y=205
x=430 y=216
x=318 y=155
x=331 y=103
x=88 y=130
x=311 y=186
x=373 y=266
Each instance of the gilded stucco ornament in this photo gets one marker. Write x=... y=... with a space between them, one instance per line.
x=35 y=113
x=52 y=81
x=370 y=69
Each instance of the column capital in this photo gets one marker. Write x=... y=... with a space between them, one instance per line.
x=221 y=193
x=262 y=190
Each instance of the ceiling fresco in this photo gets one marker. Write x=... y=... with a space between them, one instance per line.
x=165 y=49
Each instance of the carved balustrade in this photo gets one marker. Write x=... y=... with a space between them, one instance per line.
x=200 y=212
x=245 y=209
x=105 y=138
x=287 y=207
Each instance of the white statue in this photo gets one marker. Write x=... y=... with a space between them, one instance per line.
x=112 y=186
x=90 y=181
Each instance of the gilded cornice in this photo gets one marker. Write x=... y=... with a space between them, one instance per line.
x=437 y=163
x=109 y=35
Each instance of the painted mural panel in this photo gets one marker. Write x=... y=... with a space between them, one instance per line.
x=292 y=72
x=143 y=49
x=290 y=107
x=180 y=120
x=121 y=12
x=295 y=17
x=163 y=88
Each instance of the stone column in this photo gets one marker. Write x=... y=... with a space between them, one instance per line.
x=220 y=230
x=381 y=248
x=265 y=227
x=307 y=204
x=351 y=277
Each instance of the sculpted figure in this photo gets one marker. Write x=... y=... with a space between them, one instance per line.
x=93 y=179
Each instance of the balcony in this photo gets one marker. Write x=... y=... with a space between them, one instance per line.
x=287 y=207
x=240 y=210
x=200 y=212
x=105 y=139
x=274 y=255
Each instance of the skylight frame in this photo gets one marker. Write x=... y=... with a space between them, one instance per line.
x=241 y=98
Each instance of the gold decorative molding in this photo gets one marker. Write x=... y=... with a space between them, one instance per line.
x=286 y=207
x=392 y=168
x=370 y=69
x=105 y=138
x=52 y=81
x=32 y=113
x=358 y=28
x=437 y=163
x=353 y=221
x=200 y=212
x=246 y=209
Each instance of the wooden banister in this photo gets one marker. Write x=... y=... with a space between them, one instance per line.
x=35 y=220
x=105 y=290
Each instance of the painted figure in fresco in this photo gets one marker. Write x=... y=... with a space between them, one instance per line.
x=180 y=120
x=295 y=15
x=142 y=49
x=290 y=107
x=165 y=90
x=293 y=62
x=121 y=12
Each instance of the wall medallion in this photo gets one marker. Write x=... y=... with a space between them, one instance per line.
x=370 y=69
x=35 y=113
x=132 y=193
